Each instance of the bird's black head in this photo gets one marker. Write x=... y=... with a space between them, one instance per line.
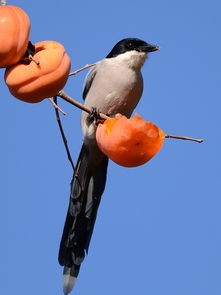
x=130 y=44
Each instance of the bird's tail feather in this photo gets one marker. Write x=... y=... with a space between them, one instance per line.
x=87 y=187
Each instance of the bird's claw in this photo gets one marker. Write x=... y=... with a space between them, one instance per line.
x=94 y=115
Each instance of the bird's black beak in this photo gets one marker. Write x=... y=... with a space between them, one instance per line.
x=148 y=48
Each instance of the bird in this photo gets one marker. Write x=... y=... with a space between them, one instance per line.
x=113 y=85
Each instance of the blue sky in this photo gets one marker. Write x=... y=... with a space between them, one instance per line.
x=158 y=227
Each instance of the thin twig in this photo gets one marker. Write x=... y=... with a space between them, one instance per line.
x=63 y=135
x=66 y=97
x=30 y=57
x=81 y=69
x=102 y=116
x=184 y=138
x=56 y=106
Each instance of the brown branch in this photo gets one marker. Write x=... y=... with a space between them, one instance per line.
x=63 y=135
x=102 y=116
x=66 y=142
x=56 y=106
x=81 y=69
x=184 y=138
x=67 y=98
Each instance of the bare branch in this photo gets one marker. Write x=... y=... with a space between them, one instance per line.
x=56 y=106
x=63 y=135
x=81 y=69
x=66 y=97
x=102 y=116
x=184 y=138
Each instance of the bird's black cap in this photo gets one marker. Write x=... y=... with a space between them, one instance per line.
x=130 y=44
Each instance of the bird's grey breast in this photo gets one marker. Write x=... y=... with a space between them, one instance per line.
x=115 y=88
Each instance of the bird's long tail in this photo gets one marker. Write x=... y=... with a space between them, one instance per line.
x=87 y=187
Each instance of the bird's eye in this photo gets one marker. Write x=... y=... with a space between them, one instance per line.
x=130 y=46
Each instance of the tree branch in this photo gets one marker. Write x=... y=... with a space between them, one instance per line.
x=102 y=116
x=81 y=69
x=63 y=135
x=56 y=106
x=184 y=138
x=66 y=97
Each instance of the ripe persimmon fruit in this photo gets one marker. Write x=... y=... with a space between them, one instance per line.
x=14 y=34
x=41 y=78
x=129 y=142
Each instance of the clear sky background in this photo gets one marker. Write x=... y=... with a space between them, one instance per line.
x=158 y=227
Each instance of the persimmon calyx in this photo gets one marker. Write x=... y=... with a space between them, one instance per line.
x=28 y=56
x=3 y=2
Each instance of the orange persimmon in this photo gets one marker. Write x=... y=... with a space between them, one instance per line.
x=129 y=142
x=14 y=34
x=32 y=82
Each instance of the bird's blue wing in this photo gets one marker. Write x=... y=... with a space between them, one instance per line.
x=88 y=81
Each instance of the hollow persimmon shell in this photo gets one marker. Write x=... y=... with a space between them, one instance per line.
x=14 y=34
x=33 y=82
x=129 y=142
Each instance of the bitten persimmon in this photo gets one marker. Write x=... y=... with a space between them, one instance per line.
x=41 y=78
x=129 y=142
x=14 y=34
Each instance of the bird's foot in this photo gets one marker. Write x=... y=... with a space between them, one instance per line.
x=94 y=115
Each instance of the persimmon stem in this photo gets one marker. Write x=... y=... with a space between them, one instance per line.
x=56 y=106
x=81 y=69
x=3 y=2
x=66 y=97
x=184 y=138
x=30 y=57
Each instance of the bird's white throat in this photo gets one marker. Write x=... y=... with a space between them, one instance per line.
x=133 y=59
